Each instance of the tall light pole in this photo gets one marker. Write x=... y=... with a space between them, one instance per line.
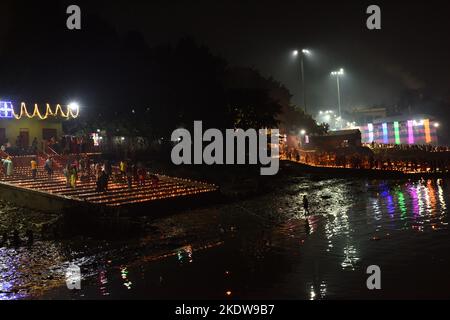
x=302 y=54
x=338 y=73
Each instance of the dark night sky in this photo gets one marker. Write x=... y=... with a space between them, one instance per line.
x=410 y=52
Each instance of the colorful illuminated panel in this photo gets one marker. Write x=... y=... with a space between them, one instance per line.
x=6 y=109
x=407 y=132
x=370 y=128
x=426 y=126
x=410 y=132
x=397 y=132
x=385 y=133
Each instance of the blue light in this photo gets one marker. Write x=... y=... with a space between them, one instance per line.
x=6 y=109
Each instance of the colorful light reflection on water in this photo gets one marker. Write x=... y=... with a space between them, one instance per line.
x=262 y=247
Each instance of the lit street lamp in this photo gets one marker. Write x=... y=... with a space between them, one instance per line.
x=338 y=73
x=302 y=54
x=74 y=106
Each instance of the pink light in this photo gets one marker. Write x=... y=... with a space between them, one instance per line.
x=410 y=132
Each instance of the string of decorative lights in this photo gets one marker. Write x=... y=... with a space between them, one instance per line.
x=72 y=112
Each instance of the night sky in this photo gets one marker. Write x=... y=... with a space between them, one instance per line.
x=411 y=52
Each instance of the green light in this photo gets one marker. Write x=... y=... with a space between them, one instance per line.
x=396 y=132
x=402 y=205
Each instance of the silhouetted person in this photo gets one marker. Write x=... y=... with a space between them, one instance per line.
x=141 y=176
x=305 y=204
x=30 y=237
x=129 y=175
x=108 y=168
x=307 y=227
x=102 y=182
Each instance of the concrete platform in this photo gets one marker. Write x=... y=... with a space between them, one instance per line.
x=52 y=195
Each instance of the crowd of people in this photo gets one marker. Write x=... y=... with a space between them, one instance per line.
x=71 y=144
x=63 y=145
x=408 y=147
x=81 y=168
x=20 y=148
x=374 y=161
x=84 y=169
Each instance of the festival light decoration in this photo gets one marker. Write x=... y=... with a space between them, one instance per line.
x=370 y=128
x=426 y=125
x=410 y=132
x=397 y=132
x=385 y=133
x=118 y=192
x=7 y=111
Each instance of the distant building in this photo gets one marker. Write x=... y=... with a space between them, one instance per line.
x=336 y=139
x=20 y=125
x=367 y=114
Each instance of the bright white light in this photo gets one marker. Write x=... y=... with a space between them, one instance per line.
x=295 y=52
x=306 y=51
x=123 y=138
x=98 y=130
x=327 y=118
x=340 y=72
x=320 y=112
x=74 y=106
x=436 y=124
x=302 y=132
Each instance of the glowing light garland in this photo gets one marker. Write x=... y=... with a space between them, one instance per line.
x=70 y=113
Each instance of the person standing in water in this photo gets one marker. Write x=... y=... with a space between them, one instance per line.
x=305 y=205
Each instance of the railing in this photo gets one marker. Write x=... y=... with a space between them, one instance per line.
x=59 y=161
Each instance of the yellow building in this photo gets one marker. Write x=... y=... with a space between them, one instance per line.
x=20 y=127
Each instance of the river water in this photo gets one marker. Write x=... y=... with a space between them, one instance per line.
x=253 y=249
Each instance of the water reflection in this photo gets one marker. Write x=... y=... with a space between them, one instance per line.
x=317 y=293
x=124 y=275
x=25 y=270
x=184 y=254
x=103 y=282
x=267 y=243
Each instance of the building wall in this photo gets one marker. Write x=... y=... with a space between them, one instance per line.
x=11 y=129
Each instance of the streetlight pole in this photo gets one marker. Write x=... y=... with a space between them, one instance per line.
x=338 y=73
x=339 y=95
x=303 y=81
x=302 y=53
